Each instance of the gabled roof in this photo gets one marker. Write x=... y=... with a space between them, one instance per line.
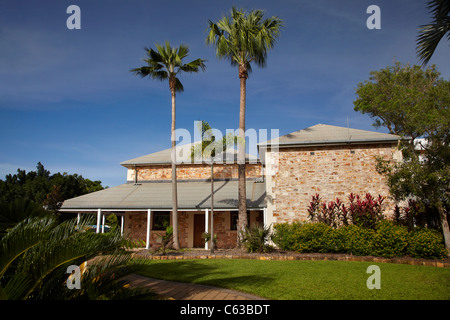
x=183 y=154
x=191 y=195
x=321 y=134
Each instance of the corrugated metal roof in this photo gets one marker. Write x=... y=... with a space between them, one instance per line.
x=183 y=154
x=191 y=195
x=327 y=134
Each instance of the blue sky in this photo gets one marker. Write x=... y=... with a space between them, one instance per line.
x=68 y=100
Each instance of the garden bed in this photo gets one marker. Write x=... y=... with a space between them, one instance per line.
x=282 y=255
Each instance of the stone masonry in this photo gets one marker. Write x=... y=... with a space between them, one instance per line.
x=330 y=171
x=192 y=172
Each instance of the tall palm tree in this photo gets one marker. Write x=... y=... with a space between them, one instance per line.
x=165 y=64
x=431 y=34
x=242 y=39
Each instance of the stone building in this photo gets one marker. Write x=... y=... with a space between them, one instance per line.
x=328 y=160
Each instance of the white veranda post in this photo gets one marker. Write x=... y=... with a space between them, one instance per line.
x=99 y=216
x=206 y=227
x=149 y=216
x=103 y=224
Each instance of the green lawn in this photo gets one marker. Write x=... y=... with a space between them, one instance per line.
x=310 y=280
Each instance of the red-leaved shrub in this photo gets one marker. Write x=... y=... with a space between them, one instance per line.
x=361 y=211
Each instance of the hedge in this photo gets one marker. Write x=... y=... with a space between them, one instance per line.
x=386 y=240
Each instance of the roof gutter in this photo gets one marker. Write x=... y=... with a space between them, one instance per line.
x=163 y=163
x=329 y=142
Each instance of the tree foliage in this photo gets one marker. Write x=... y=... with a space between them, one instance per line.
x=44 y=188
x=432 y=33
x=166 y=62
x=209 y=147
x=35 y=254
x=413 y=103
x=407 y=100
x=244 y=37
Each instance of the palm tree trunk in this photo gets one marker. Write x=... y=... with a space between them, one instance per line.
x=174 y=177
x=242 y=193
x=212 y=206
x=445 y=227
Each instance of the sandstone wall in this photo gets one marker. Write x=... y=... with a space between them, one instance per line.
x=332 y=171
x=192 y=172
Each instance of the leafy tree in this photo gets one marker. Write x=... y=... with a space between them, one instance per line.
x=43 y=188
x=242 y=39
x=165 y=64
x=431 y=34
x=25 y=193
x=407 y=100
x=413 y=103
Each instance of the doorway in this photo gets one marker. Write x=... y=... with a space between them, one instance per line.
x=199 y=229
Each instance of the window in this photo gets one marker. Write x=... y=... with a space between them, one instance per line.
x=234 y=220
x=161 y=220
x=234 y=217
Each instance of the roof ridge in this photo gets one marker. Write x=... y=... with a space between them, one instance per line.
x=326 y=134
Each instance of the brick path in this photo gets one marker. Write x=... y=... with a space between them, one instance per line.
x=187 y=291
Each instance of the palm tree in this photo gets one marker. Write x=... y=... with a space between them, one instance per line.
x=431 y=34
x=15 y=211
x=209 y=147
x=165 y=64
x=36 y=253
x=242 y=39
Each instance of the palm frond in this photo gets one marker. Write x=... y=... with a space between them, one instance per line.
x=18 y=210
x=178 y=85
x=431 y=34
x=24 y=236
x=17 y=286
x=193 y=66
x=65 y=244
x=41 y=251
x=154 y=56
x=102 y=275
x=166 y=62
x=211 y=146
x=243 y=38
x=183 y=51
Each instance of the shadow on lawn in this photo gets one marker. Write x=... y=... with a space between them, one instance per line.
x=199 y=273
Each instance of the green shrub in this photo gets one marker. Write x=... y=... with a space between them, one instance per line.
x=386 y=240
x=206 y=236
x=390 y=240
x=355 y=240
x=283 y=235
x=426 y=243
x=255 y=239
x=314 y=237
